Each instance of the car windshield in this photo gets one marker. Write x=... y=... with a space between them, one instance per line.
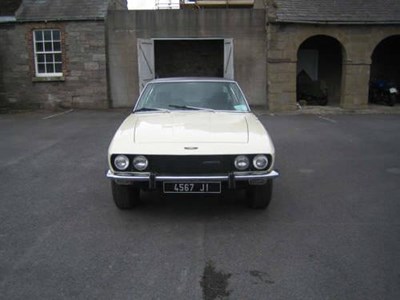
x=192 y=95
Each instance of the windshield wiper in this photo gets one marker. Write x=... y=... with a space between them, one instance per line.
x=152 y=109
x=190 y=107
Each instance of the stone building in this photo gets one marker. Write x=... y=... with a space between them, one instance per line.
x=97 y=54
x=265 y=47
x=344 y=43
x=53 y=53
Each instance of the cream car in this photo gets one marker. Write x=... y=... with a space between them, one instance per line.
x=191 y=135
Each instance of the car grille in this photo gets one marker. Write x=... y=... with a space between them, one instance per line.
x=190 y=164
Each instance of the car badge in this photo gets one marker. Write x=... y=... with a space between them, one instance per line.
x=191 y=148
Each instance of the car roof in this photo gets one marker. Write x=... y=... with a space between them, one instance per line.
x=191 y=79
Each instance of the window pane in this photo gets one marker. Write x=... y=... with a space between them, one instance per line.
x=58 y=68
x=57 y=58
x=48 y=47
x=39 y=47
x=47 y=35
x=41 y=68
x=40 y=58
x=38 y=35
x=56 y=35
x=57 y=46
x=49 y=58
x=50 y=68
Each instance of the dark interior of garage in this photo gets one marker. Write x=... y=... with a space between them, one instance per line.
x=385 y=72
x=178 y=58
x=329 y=59
x=386 y=60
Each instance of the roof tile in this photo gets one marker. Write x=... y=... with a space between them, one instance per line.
x=338 y=11
x=51 y=10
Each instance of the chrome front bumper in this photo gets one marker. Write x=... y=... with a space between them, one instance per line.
x=230 y=178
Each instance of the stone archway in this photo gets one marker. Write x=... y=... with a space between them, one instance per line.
x=319 y=71
x=385 y=66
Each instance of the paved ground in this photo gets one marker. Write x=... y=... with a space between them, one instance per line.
x=331 y=232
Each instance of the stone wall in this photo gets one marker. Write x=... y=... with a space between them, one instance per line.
x=358 y=43
x=84 y=81
x=245 y=26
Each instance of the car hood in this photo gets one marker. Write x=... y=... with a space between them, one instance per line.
x=184 y=127
x=191 y=133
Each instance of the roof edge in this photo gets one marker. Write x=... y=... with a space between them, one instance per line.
x=40 y=20
x=324 y=22
x=7 y=19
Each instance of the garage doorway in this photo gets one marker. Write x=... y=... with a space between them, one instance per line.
x=319 y=71
x=159 y=58
x=385 y=67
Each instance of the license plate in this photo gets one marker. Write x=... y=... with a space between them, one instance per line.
x=192 y=187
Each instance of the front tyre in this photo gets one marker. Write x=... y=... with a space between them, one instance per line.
x=259 y=196
x=125 y=196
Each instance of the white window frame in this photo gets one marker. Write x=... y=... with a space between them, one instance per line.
x=45 y=52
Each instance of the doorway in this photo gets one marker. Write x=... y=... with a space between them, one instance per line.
x=160 y=58
x=189 y=58
x=319 y=71
x=385 y=71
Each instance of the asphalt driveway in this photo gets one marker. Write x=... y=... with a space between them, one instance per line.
x=332 y=230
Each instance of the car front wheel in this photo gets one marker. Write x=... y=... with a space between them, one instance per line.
x=259 y=196
x=125 y=196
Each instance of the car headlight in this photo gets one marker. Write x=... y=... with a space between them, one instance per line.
x=121 y=162
x=140 y=163
x=242 y=162
x=260 y=162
